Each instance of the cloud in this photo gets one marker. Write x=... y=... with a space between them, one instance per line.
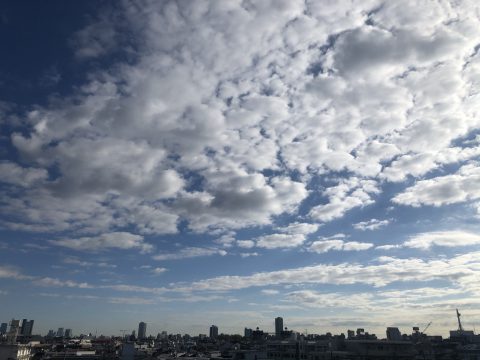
x=334 y=243
x=245 y=255
x=461 y=269
x=275 y=241
x=202 y=158
x=9 y=272
x=269 y=291
x=388 y=247
x=298 y=228
x=348 y=194
x=462 y=186
x=292 y=235
x=14 y=174
x=190 y=252
x=116 y=240
x=53 y=282
x=442 y=238
x=246 y=244
x=372 y=224
x=76 y=261
x=159 y=270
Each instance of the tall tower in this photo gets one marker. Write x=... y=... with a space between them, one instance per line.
x=213 y=331
x=142 y=330
x=13 y=332
x=278 y=326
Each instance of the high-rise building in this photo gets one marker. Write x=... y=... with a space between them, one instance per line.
x=142 y=330
x=278 y=326
x=60 y=332
x=247 y=332
x=213 y=331
x=68 y=333
x=3 y=328
x=51 y=333
x=13 y=331
x=27 y=327
x=24 y=325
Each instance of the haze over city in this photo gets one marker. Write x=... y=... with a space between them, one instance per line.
x=189 y=163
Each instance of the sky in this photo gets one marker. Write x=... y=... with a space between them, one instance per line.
x=188 y=163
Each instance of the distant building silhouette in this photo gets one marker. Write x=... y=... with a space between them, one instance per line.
x=213 y=331
x=60 y=332
x=278 y=326
x=27 y=327
x=393 y=334
x=142 y=330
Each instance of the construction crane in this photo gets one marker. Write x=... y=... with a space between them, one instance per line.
x=426 y=327
x=460 y=327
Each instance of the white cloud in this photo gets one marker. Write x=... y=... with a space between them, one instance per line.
x=325 y=245
x=246 y=244
x=76 y=261
x=442 y=238
x=159 y=270
x=348 y=194
x=462 y=186
x=53 y=282
x=372 y=224
x=356 y=246
x=274 y=241
x=461 y=269
x=388 y=247
x=116 y=240
x=270 y=291
x=9 y=272
x=287 y=93
x=190 y=252
x=245 y=255
x=297 y=228
x=14 y=174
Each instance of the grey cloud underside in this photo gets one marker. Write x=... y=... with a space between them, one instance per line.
x=223 y=94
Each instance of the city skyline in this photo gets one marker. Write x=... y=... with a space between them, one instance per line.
x=208 y=162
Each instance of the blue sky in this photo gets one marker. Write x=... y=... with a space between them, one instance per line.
x=197 y=163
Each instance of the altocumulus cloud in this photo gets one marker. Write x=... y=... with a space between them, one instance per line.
x=354 y=111
x=254 y=125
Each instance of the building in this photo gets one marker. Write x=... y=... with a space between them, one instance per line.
x=213 y=331
x=247 y=332
x=60 y=332
x=13 y=331
x=68 y=333
x=27 y=327
x=142 y=330
x=3 y=328
x=393 y=334
x=278 y=326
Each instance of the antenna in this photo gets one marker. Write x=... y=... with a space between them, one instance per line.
x=460 y=328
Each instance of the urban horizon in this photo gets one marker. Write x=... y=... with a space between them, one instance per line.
x=155 y=329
